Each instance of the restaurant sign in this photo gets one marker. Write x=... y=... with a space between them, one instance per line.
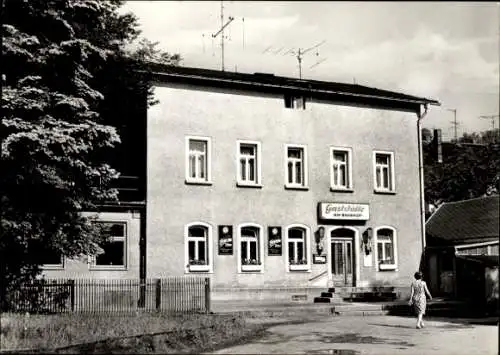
x=344 y=211
x=225 y=240
x=275 y=243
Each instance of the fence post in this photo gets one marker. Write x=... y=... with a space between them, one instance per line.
x=142 y=293
x=207 y=295
x=72 y=294
x=158 y=294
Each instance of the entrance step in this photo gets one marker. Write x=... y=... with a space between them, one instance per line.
x=371 y=296
x=328 y=297
x=359 y=294
x=322 y=300
x=351 y=289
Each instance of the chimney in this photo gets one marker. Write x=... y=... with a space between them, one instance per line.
x=437 y=146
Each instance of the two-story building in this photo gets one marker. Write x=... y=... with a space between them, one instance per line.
x=272 y=183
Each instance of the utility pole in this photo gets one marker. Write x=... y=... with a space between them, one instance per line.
x=221 y=32
x=454 y=122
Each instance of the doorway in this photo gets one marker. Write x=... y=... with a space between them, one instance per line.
x=342 y=259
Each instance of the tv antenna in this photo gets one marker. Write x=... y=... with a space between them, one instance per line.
x=492 y=118
x=299 y=54
x=318 y=63
x=221 y=31
x=454 y=122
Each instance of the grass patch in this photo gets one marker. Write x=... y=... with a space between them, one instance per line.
x=141 y=333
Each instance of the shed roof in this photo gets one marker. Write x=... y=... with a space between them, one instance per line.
x=465 y=221
x=488 y=260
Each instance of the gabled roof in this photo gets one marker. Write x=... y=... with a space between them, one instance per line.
x=465 y=221
x=264 y=82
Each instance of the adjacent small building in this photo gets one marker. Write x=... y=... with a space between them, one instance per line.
x=462 y=249
x=269 y=183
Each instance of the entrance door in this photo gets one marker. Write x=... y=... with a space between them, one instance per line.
x=342 y=257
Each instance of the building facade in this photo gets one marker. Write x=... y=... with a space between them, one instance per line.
x=265 y=182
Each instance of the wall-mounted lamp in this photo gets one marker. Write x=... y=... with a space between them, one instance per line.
x=319 y=236
x=367 y=240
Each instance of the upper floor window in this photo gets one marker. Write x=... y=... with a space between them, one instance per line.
x=295 y=102
x=114 y=250
x=386 y=248
x=340 y=168
x=251 y=248
x=383 y=163
x=296 y=166
x=198 y=251
x=249 y=164
x=198 y=167
x=298 y=248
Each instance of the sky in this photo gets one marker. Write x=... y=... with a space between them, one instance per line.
x=447 y=51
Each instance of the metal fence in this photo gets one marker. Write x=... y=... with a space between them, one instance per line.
x=169 y=295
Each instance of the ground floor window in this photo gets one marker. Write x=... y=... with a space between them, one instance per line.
x=49 y=258
x=386 y=248
x=198 y=247
x=298 y=248
x=250 y=248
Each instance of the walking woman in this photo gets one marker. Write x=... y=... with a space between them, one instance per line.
x=418 y=298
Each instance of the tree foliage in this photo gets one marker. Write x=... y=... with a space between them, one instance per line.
x=469 y=169
x=65 y=74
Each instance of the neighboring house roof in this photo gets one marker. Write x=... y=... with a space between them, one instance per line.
x=468 y=221
x=271 y=83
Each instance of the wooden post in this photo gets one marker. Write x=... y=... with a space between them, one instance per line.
x=207 y=295
x=142 y=246
x=72 y=294
x=455 y=276
x=158 y=294
x=141 y=303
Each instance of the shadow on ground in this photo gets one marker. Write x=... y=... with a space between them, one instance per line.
x=334 y=351
x=356 y=338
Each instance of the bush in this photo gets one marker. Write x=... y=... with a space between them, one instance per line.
x=39 y=297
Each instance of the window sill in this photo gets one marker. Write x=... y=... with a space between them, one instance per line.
x=52 y=267
x=387 y=267
x=339 y=189
x=296 y=187
x=299 y=267
x=107 y=268
x=384 y=192
x=247 y=184
x=198 y=182
x=251 y=268
x=199 y=268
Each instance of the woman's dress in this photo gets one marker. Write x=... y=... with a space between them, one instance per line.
x=419 y=299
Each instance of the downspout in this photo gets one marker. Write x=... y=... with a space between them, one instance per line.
x=421 y=116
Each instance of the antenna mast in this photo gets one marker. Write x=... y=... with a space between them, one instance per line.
x=299 y=54
x=454 y=122
x=221 y=31
x=492 y=118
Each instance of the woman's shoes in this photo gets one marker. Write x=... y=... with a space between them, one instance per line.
x=419 y=326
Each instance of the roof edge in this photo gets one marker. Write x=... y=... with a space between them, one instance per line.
x=265 y=79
